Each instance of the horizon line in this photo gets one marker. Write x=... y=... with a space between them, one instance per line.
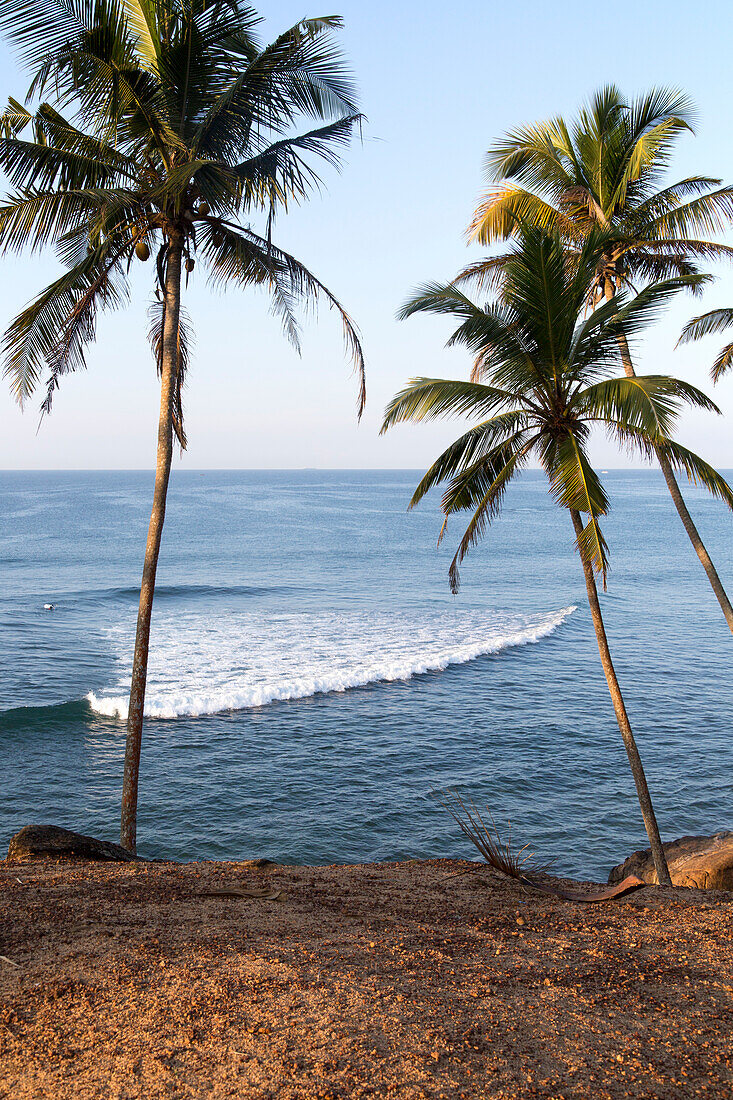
x=276 y=469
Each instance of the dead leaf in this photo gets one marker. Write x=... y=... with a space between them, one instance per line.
x=607 y=893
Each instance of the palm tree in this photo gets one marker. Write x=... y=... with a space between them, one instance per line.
x=172 y=127
x=539 y=385
x=606 y=170
x=716 y=320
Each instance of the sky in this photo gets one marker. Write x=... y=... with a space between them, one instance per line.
x=438 y=84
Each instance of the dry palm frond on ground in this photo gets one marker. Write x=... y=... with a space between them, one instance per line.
x=497 y=852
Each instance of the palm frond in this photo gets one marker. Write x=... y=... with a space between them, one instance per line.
x=723 y=363
x=467 y=488
x=470 y=450
x=300 y=72
x=42 y=28
x=440 y=298
x=538 y=157
x=657 y=105
x=698 y=470
x=144 y=23
x=430 y=398
x=54 y=330
x=238 y=255
x=493 y=474
x=707 y=324
x=634 y=315
x=714 y=321
x=648 y=152
x=15 y=118
x=646 y=403
x=706 y=214
x=496 y=852
x=32 y=219
x=43 y=166
x=280 y=173
x=575 y=485
x=669 y=197
x=156 y=314
x=485 y=275
x=501 y=210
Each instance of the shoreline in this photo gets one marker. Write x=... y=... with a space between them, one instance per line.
x=411 y=979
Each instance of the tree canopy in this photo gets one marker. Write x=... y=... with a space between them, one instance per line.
x=164 y=119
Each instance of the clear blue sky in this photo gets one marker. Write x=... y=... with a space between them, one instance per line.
x=438 y=83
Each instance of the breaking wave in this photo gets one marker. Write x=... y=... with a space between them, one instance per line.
x=209 y=664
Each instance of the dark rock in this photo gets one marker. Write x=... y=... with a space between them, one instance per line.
x=50 y=841
x=704 y=862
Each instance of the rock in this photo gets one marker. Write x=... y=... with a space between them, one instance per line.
x=39 y=841
x=703 y=862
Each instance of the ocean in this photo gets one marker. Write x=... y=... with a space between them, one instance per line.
x=313 y=682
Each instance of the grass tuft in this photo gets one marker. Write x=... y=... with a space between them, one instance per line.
x=497 y=852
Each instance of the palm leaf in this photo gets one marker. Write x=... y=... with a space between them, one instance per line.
x=575 y=485
x=280 y=173
x=698 y=471
x=32 y=219
x=430 y=398
x=707 y=324
x=41 y=28
x=470 y=450
x=634 y=315
x=300 y=72
x=538 y=157
x=711 y=213
x=494 y=474
x=498 y=214
x=647 y=403
x=486 y=275
x=143 y=20
x=53 y=331
x=723 y=363
x=156 y=314
x=237 y=255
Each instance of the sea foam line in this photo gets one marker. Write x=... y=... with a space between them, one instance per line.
x=256 y=690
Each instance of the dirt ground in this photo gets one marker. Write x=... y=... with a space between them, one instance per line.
x=384 y=980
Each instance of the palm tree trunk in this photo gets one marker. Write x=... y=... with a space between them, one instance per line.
x=678 y=500
x=679 y=503
x=169 y=371
x=637 y=768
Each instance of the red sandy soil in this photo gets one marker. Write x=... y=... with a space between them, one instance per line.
x=382 y=980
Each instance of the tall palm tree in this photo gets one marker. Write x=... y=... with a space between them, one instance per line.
x=606 y=170
x=539 y=386
x=171 y=128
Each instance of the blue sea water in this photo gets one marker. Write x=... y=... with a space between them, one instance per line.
x=312 y=679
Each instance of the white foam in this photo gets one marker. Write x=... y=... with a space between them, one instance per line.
x=206 y=663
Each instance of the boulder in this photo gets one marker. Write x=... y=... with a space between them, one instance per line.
x=50 y=841
x=703 y=862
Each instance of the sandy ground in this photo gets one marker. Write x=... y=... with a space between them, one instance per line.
x=388 y=980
